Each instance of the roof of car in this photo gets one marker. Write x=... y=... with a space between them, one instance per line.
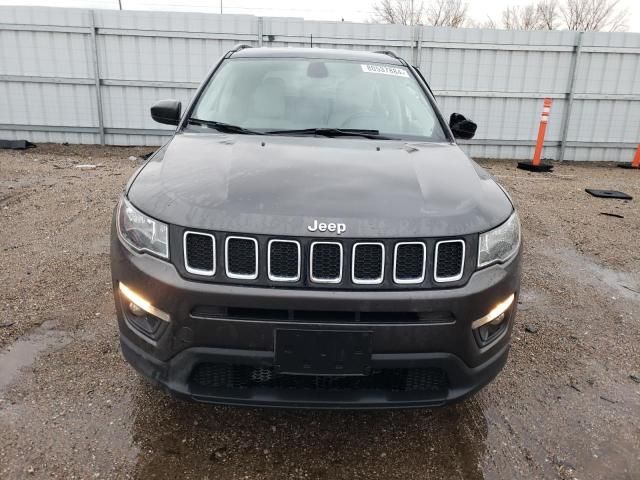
x=326 y=53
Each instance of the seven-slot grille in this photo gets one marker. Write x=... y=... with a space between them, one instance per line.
x=323 y=262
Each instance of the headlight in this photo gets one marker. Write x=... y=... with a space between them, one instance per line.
x=141 y=232
x=501 y=243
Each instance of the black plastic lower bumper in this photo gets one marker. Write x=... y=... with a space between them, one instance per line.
x=174 y=376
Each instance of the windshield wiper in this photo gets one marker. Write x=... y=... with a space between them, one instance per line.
x=223 y=127
x=332 y=132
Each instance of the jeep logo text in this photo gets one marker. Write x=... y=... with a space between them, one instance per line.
x=338 y=228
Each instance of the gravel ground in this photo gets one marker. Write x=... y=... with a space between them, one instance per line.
x=567 y=404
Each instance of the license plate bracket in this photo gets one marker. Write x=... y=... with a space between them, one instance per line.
x=322 y=352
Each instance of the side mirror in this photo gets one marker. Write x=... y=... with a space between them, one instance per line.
x=167 y=111
x=461 y=127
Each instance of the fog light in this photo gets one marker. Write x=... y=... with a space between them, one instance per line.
x=136 y=310
x=488 y=332
x=490 y=327
x=146 y=323
x=496 y=315
x=139 y=303
x=498 y=320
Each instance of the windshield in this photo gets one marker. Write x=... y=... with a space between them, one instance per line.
x=266 y=94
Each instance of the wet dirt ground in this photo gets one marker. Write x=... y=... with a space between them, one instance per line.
x=567 y=404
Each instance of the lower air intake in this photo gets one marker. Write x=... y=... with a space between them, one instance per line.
x=223 y=376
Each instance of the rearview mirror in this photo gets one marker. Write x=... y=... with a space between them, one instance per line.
x=461 y=127
x=167 y=111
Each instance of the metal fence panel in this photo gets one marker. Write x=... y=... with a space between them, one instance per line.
x=127 y=107
x=86 y=76
x=53 y=104
x=44 y=54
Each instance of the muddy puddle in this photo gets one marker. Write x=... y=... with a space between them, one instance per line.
x=24 y=352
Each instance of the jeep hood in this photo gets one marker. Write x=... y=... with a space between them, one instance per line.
x=280 y=185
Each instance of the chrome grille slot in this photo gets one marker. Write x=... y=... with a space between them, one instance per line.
x=367 y=263
x=326 y=262
x=283 y=260
x=199 y=253
x=409 y=262
x=241 y=257
x=449 y=260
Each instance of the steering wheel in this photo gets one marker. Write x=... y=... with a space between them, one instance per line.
x=365 y=114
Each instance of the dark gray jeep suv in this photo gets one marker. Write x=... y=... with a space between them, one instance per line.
x=312 y=236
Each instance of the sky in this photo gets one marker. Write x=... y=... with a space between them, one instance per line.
x=349 y=10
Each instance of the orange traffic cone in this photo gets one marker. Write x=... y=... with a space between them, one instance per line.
x=636 y=161
x=535 y=165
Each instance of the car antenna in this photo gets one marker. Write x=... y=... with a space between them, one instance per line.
x=237 y=48
x=390 y=53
